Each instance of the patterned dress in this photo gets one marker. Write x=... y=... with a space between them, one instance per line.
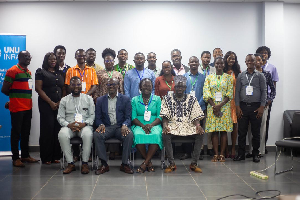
x=181 y=114
x=214 y=123
x=103 y=78
x=124 y=70
x=138 y=110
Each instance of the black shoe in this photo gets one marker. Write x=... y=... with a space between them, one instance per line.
x=266 y=151
x=201 y=157
x=185 y=156
x=202 y=152
x=256 y=159
x=239 y=158
x=249 y=155
x=210 y=152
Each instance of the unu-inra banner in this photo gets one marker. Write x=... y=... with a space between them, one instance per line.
x=10 y=46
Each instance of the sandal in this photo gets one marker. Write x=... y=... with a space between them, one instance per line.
x=215 y=158
x=141 y=169
x=150 y=167
x=221 y=158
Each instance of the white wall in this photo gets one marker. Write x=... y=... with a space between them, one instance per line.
x=141 y=26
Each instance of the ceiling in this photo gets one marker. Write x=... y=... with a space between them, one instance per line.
x=243 y=1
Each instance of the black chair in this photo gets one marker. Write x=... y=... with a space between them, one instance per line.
x=291 y=143
x=77 y=141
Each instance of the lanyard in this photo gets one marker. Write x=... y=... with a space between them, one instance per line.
x=82 y=75
x=110 y=75
x=193 y=83
x=139 y=74
x=219 y=80
x=28 y=75
x=204 y=71
x=146 y=106
x=250 y=79
x=169 y=85
x=122 y=71
x=77 y=106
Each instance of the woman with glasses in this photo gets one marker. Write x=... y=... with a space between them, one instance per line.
x=104 y=75
x=146 y=124
x=48 y=84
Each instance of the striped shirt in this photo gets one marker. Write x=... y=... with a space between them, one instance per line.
x=87 y=75
x=19 y=93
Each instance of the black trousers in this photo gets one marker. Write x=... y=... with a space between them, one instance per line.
x=49 y=127
x=249 y=116
x=20 y=129
x=267 y=123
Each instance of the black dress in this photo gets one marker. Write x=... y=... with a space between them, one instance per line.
x=49 y=127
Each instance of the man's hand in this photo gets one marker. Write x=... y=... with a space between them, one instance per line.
x=239 y=112
x=124 y=130
x=166 y=130
x=73 y=126
x=260 y=112
x=81 y=125
x=6 y=105
x=199 y=129
x=101 y=129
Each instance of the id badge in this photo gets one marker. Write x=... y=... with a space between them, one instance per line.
x=249 y=90
x=78 y=118
x=147 y=116
x=170 y=92
x=218 y=96
x=30 y=84
x=140 y=91
x=193 y=93
x=83 y=86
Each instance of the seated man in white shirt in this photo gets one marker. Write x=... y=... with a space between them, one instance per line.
x=76 y=115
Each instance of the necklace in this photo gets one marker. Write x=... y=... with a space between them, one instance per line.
x=179 y=98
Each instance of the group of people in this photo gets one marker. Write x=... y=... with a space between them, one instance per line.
x=140 y=106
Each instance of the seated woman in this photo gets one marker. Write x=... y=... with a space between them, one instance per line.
x=146 y=122
x=218 y=91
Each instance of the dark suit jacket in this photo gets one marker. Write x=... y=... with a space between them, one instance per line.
x=123 y=109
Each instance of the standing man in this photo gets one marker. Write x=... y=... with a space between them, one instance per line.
x=207 y=69
x=90 y=59
x=194 y=87
x=87 y=74
x=134 y=76
x=18 y=86
x=113 y=120
x=151 y=58
x=250 y=100
x=217 y=52
x=76 y=114
x=266 y=54
x=176 y=58
x=122 y=66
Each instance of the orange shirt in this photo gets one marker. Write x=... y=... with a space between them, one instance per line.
x=88 y=75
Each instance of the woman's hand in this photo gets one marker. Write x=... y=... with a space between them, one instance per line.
x=148 y=127
x=53 y=105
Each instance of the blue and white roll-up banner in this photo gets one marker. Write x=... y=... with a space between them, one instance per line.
x=10 y=46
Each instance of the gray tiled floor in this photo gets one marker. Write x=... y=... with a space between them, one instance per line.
x=37 y=181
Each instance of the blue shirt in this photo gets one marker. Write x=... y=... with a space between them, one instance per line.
x=198 y=87
x=133 y=78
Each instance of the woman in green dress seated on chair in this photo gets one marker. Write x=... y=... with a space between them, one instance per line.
x=146 y=122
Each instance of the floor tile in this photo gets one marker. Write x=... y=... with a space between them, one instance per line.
x=115 y=192
x=174 y=191
x=284 y=188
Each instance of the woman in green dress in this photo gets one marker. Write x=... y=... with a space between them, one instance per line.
x=146 y=122
x=218 y=91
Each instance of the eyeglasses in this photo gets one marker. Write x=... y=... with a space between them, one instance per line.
x=108 y=61
x=111 y=84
